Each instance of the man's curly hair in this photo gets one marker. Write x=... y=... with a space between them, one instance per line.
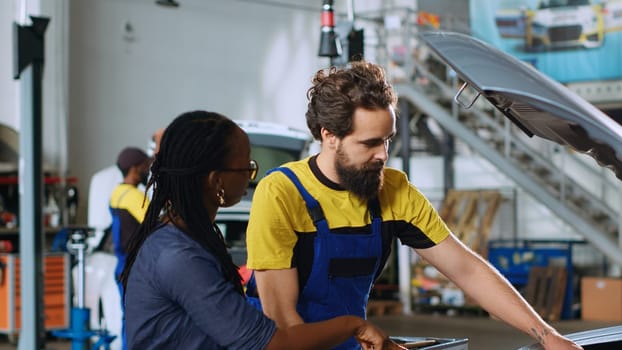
x=337 y=93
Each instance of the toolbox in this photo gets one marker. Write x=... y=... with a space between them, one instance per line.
x=428 y=343
x=56 y=292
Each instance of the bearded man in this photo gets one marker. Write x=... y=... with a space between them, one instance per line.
x=321 y=229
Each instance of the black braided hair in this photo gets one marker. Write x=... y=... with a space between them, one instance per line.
x=193 y=145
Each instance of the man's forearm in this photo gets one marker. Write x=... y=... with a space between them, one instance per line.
x=484 y=284
x=496 y=295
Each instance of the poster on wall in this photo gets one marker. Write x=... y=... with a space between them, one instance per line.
x=568 y=40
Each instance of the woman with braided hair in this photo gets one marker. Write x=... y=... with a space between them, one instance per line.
x=182 y=289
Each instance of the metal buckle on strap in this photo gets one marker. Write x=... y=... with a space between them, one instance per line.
x=316 y=213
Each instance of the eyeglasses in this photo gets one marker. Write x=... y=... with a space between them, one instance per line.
x=253 y=169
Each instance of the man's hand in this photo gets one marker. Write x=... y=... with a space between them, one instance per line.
x=556 y=341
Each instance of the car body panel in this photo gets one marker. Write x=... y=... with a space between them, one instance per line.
x=608 y=338
x=537 y=104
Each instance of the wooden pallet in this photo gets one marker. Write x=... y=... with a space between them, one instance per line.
x=546 y=288
x=470 y=214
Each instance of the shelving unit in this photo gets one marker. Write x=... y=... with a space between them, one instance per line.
x=515 y=259
x=55 y=187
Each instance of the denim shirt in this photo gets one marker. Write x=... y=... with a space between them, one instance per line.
x=177 y=298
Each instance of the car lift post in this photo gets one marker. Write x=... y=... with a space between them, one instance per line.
x=80 y=332
x=28 y=57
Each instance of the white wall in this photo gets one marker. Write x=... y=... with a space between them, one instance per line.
x=8 y=86
x=54 y=74
x=245 y=60
x=107 y=87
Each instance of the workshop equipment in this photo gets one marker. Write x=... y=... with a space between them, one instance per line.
x=56 y=293
x=428 y=343
x=79 y=331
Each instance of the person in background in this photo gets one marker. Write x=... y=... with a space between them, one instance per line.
x=100 y=187
x=320 y=229
x=101 y=285
x=128 y=205
x=182 y=289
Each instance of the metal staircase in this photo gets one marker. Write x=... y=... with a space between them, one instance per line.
x=593 y=211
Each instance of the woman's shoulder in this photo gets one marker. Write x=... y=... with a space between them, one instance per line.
x=170 y=239
x=168 y=245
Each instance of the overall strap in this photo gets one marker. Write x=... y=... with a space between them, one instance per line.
x=313 y=206
x=374 y=208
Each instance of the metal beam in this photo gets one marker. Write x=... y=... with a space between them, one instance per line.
x=403 y=254
x=28 y=64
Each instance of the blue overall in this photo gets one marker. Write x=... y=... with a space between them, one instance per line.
x=115 y=230
x=344 y=266
x=118 y=252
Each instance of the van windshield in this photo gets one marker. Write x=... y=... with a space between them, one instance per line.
x=269 y=157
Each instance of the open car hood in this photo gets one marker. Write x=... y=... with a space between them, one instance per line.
x=608 y=338
x=537 y=104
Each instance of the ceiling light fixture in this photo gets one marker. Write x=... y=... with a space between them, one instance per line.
x=330 y=46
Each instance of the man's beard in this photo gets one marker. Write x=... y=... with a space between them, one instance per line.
x=364 y=182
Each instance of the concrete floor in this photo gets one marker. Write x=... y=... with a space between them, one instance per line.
x=483 y=332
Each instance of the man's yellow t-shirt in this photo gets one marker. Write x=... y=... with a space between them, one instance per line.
x=280 y=231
